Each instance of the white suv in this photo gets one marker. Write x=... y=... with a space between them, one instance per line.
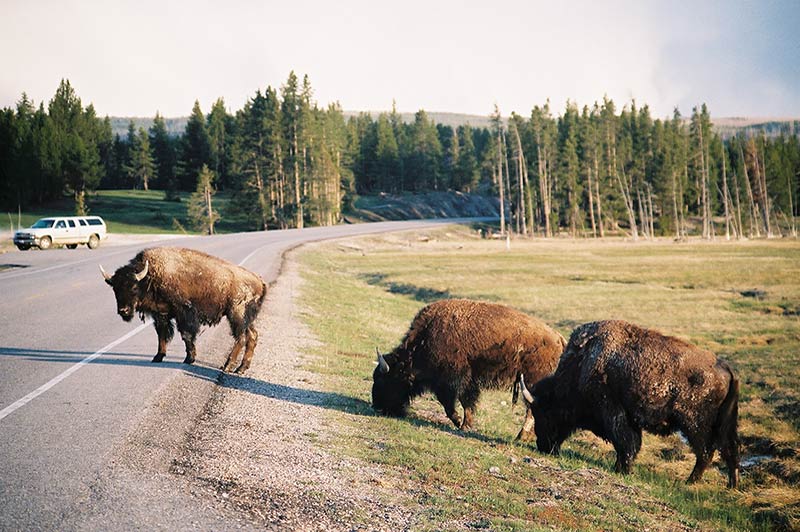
x=62 y=230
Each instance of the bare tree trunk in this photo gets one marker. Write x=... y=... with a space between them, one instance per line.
x=651 y=216
x=500 y=183
x=521 y=176
x=591 y=202
x=597 y=191
x=790 y=186
x=725 y=197
x=544 y=187
x=298 y=222
x=764 y=193
x=626 y=196
x=738 y=206
x=753 y=208
x=675 y=206
x=209 y=211
x=642 y=215
x=507 y=177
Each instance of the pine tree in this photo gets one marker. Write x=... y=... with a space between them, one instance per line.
x=200 y=208
x=141 y=165
x=163 y=150
x=467 y=167
x=194 y=149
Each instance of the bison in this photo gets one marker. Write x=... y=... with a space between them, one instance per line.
x=192 y=288
x=456 y=348
x=617 y=379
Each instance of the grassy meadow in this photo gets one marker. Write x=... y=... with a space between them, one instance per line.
x=741 y=300
x=132 y=211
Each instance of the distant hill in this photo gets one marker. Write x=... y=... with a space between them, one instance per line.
x=726 y=126
x=119 y=124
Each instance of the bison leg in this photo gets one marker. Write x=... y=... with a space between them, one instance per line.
x=252 y=340
x=468 y=400
x=447 y=397
x=626 y=439
x=730 y=453
x=526 y=432
x=189 y=327
x=233 y=356
x=704 y=451
x=165 y=331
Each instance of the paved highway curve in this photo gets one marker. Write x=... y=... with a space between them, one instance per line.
x=74 y=378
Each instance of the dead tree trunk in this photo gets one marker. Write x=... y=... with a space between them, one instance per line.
x=628 y=200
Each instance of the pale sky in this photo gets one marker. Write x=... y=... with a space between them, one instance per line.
x=135 y=58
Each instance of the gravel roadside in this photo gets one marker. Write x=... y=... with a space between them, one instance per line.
x=263 y=442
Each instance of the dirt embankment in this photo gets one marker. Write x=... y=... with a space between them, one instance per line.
x=263 y=444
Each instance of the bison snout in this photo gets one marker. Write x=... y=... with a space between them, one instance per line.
x=126 y=313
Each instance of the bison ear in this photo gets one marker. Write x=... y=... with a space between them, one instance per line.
x=106 y=275
x=142 y=274
x=382 y=362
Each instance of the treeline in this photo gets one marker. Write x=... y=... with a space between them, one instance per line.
x=594 y=170
x=286 y=162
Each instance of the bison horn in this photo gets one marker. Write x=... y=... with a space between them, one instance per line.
x=142 y=274
x=382 y=362
x=525 y=393
x=106 y=275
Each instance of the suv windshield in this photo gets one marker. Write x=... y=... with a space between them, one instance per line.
x=43 y=223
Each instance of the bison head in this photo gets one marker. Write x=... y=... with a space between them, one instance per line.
x=127 y=288
x=391 y=386
x=552 y=420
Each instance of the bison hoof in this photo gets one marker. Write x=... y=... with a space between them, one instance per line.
x=524 y=435
x=159 y=357
x=240 y=370
x=188 y=360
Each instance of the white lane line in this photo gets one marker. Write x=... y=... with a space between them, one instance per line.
x=55 y=380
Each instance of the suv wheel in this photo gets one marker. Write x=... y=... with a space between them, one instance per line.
x=23 y=247
x=45 y=242
x=93 y=242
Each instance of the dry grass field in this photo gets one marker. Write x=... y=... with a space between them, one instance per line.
x=739 y=299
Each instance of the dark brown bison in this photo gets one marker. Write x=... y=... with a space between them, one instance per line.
x=193 y=289
x=616 y=379
x=455 y=348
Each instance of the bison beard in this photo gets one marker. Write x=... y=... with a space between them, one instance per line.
x=617 y=379
x=456 y=348
x=193 y=289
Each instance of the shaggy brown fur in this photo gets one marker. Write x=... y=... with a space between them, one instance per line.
x=617 y=379
x=192 y=288
x=455 y=348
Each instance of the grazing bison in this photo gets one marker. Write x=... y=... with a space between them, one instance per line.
x=192 y=288
x=616 y=378
x=455 y=348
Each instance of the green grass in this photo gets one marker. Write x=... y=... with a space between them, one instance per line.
x=133 y=211
x=357 y=302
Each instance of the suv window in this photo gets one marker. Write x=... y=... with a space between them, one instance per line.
x=95 y=221
x=71 y=223
x=43 y=224
x=82 y=221
x=61 y=224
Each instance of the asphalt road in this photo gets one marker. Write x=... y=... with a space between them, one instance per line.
x=76 y=381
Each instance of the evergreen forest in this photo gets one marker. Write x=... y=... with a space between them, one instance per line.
x=286 y=162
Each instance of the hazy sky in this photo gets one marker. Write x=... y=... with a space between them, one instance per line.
x=136 y=58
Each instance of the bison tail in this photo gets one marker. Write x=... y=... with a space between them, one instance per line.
x=726 y=437
x=727 y=422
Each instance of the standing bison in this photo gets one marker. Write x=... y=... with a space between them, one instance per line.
x=193 y=289
x=616 y=378
x=455 y=348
